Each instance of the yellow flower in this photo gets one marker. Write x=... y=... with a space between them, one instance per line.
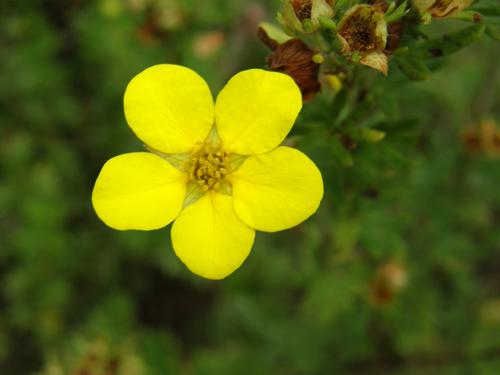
x=441 y=8
x=217 y=170
x=363 y=31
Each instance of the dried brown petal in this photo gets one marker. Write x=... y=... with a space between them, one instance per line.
x=294 y=58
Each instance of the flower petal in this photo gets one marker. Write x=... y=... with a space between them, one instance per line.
x=256 y=110
x=277 y=190
x=210 y=239
x=138 y=191
x=169 y=107
x=376 y=60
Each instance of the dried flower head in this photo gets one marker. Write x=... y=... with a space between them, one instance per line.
x=303 y=15
x=441 y=8
x=363 y=31
x=97 y=357
x=294 y=58
x=390 y=279
x=483 y=138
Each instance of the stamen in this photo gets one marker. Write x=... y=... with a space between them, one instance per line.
x=208 y=167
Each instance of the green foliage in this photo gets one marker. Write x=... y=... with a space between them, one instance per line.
x=317 y=299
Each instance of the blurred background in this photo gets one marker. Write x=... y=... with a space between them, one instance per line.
x=398 y=272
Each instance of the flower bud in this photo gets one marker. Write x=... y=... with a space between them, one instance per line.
x=363 y=34
x=371 y=135
x=333 y=82
x=303 y=16
x=441 y=8
x=318 y=58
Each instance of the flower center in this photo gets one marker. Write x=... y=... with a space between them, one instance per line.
x=360 y=33
x=302 y=9
x=208 y=167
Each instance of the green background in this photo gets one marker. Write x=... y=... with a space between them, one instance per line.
x=77 y=296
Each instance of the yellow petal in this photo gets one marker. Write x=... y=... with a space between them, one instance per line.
x=138 y=191
x=169 y=108
x=256 y=110
x=210 y=239
x=277 y=190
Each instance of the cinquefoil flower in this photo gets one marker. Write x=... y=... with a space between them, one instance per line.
x=441 y=8
x=217 y=170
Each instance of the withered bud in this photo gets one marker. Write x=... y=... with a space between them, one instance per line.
x=295 y=59
x=390 y=279
x=441 y=8
x=304 y=8
x=150 y=31
x=483 y=138
x=303 y=15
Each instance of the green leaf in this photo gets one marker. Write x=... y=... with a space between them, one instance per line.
x=451 y=43
x=339 y=105
x=412 y=65
x=341 y=155
x=371 y=135
x=489 y=11
x=397 y=13
x=493 y=33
